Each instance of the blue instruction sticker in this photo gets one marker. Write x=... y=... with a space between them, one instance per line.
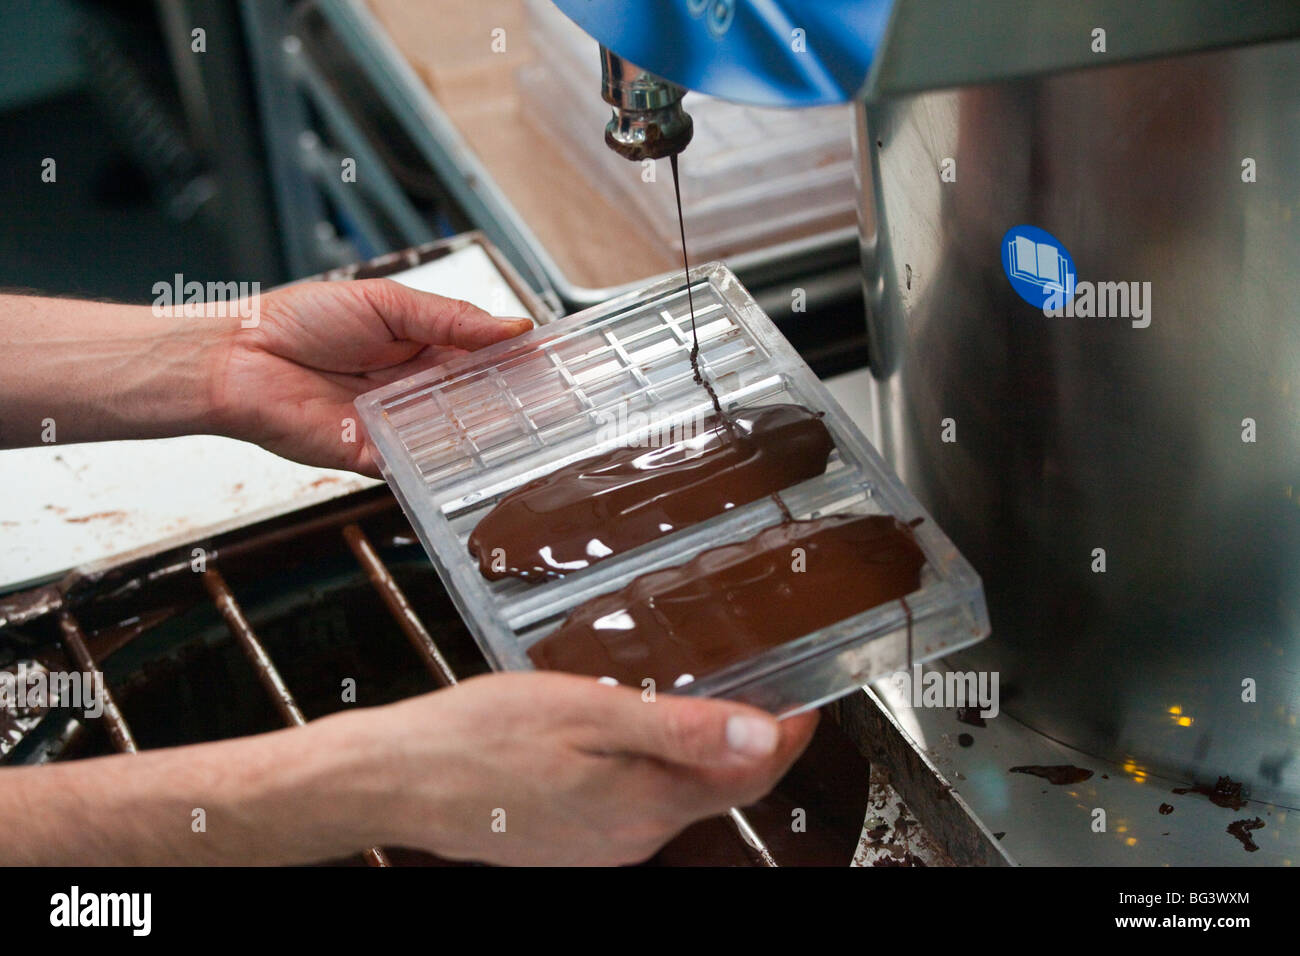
x=1039 y=266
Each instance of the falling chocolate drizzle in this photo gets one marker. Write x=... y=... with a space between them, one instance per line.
x=690 y=299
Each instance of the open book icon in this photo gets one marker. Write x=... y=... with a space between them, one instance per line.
x=1038 y=263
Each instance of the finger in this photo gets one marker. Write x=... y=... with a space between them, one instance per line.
x=429 y=357
x=682 y=730
x=685 y=794
x=436 y=320
x=713 y=789
x=364 y=463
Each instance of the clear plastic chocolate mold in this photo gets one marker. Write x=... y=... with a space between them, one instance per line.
x=453 y=440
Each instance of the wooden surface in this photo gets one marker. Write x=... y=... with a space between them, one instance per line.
x=449 y=45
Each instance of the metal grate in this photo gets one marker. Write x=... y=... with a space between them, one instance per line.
x=74 y=641
x=334 y=521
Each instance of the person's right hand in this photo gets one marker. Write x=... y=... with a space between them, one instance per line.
x=549 y=768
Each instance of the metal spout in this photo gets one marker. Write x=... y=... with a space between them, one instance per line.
x=648 y=120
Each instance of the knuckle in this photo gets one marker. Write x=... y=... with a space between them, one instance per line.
x=384 y=295
x=461 y=313
x=683 y=729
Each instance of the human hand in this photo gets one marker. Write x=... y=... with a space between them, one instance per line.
x=576 y=772
x=288 y=382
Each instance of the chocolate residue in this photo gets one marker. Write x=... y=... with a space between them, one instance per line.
x=899 y=847
x=907 y=859
x=965 y=740
x=1226 y=793
x=1166 y=809
x=97 y=516
x=1059 y=774
x=729 y=603
x=970 y=715
x=605 y=505
x=1242 y=829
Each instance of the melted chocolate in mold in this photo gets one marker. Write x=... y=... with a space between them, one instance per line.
x=1225 y=793
x=598 y=507
x=1060 y=774
x=730 y=603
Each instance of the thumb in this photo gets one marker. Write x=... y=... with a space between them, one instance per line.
x=437 y=320
x=689 y=731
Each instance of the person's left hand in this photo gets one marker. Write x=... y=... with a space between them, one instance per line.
x=288 y=383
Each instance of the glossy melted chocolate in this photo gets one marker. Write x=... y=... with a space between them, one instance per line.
x=729 y=603
x=602 y=506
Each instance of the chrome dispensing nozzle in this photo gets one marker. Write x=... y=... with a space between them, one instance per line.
x=648 y=120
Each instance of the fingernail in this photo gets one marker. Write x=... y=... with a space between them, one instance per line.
x=751 y=736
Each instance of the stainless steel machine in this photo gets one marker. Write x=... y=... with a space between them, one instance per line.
x=1130 y=493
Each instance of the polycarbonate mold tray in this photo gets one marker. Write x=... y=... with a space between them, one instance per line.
x=452 y=440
